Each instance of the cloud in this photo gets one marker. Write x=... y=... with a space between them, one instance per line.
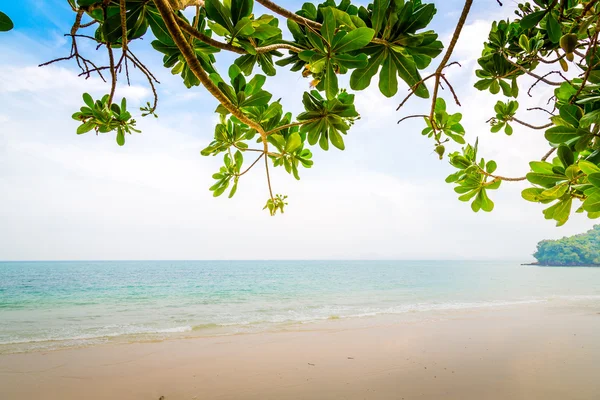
x=55 y=81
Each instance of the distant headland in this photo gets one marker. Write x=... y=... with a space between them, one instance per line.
x=575 y=251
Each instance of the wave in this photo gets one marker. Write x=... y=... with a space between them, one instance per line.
x=260 y=320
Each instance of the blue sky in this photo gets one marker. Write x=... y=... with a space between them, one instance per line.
x=66 y=196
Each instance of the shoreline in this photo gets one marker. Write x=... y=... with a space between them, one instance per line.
x=520 y=352
x=411 y=314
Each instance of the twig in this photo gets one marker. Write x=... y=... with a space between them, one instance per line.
x=414 y=116
x=543 y=79
x=253 y=164
x=548 y=154
x=532 y=126
x=540 y=109
x=289 y=15
x=438 y=72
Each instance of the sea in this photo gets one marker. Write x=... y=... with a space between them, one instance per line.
x=49 y=305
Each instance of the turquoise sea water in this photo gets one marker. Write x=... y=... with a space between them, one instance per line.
x=46 y=305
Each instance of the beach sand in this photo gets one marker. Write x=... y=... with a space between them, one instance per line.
x=525 y=352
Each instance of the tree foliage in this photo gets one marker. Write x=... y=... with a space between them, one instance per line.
x=552 y=41
x=581 y=249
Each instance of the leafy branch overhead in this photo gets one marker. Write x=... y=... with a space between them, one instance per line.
x=389 y=39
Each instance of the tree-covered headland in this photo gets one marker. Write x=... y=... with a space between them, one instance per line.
x=583 y=249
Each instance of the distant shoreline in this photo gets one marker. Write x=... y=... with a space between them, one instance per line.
x=561 y=265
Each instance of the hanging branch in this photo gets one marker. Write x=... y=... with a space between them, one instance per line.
x=175 y=32
x=440 y=68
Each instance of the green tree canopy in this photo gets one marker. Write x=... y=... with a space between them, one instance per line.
x=581 y=249
x=387 y=43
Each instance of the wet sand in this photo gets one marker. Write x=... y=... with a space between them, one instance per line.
x=525 y=352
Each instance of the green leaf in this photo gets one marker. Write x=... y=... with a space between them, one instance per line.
x=361 y=78
x=261 y=98
x=566 y=155
x=88 y=100
x=328 y=27
x=240 y=9
x=6 y=23
x=336 y=139
x=571 y=114
x=495 y=87
x=545 y=180
x=555 y=192
x=243 y=27
x=592 y=203
x=354 y=40
x=561 y=134
x=541 y=167
x=531 y=20
x=120 y=137
x=159 y=29
x=407 y=70
x=588 y=168
x=491 y=166
x=388 y=82
x=532 y=194
x=563 y=211
x=594 y=179
x=331 y=82
x=378 y=16
x=294 y=142
x=553 y=28
x=85 y=127
x=218 y=13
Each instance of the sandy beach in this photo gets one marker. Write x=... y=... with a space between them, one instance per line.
x=525 y=352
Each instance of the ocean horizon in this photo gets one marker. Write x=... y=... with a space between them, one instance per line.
x=47 y=305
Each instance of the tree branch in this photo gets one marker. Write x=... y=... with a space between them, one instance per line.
x=289 y=15
x=518 y=121
x=438 y=72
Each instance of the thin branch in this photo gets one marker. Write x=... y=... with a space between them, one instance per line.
x=414 y=116
x=291 y=125
x=229 y=47
x=113 y=73
x=452 y=90
x=540 y=109
x=455 y=36
x=253 y=164
x=525 y=70
x=289 y=15
x=591 y=52
x=543 y=78
x=548 y=154
x=190 y=57
x=267 y=170
x=501 y=178
x=518 y=121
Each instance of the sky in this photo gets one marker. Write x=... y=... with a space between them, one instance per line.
x=66 y=196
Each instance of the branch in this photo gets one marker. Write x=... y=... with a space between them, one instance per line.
x=189 y=55
x=291 y=125
x=543 y=78
x=531 y=126
x=253 y=164
x=414 y=116
x=289 y=15
x=591 y=52
x=438 y=72
x=229 y=47
x=540 y=109
x=501 y=178
x=539 y=78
